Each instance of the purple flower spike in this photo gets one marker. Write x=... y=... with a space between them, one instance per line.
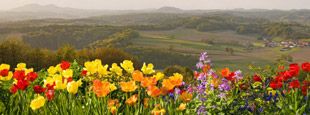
x=201 y=110
x=224 y=86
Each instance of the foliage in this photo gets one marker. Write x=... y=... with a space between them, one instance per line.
x=15 y=51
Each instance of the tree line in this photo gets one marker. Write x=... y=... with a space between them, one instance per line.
x=15 y=51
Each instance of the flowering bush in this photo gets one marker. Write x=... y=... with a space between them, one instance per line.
x=265 y=91
x=94 y=88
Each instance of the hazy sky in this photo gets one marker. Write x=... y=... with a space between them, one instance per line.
x=143 y=4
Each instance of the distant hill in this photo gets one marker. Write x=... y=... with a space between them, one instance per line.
x=44 y=8
x=169 y=9
x=36 y=11
x=144 y=16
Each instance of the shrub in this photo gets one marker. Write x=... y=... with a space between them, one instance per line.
x=185 y=71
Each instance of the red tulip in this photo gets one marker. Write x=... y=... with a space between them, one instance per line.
x=38 y=89
x=32 y=76
x=256 y=78
x=4 y=72
x=13 y=89
x=294 y=66
x=305 y=87
x=294 y=84
x=280 y=78
x=304 y=90
x=196 y=74
x=19 y=75
x=84 y=72
x=64 y=65
x=69 y=79
x=275 y=84
x=22 y=84
x=230 y=77
x=50 y=94
x=306 y=67
x=294 y=69
x=50 y=86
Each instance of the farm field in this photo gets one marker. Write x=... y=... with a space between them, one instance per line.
x=189 y=42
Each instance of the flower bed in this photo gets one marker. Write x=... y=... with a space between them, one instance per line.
x=69 y=88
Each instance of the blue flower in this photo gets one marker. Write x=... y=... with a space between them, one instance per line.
x=171 y=95
x=260 y=110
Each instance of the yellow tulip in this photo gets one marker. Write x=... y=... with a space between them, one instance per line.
x=37 y=102
x=128 y=66
x=149 y=69
x=271 y=91
x=112 y=87
x=28 y=70
x=182 y=107
x=90 y=67
x=58 y=67
x=4 y=66
x=116 y=69
x=59 y=82
x=113 y=110
x=73 y=86
x=103 y=70
x=159 y=76
x=20 y=66
x=52 y=70
x=48 y=80
x=158 y=110
x=67 y=73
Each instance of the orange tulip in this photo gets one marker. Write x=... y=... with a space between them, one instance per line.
x=176 y=79
x=167 y=84
x=112 y=105
x=113 y=102
x=101 y=88
x=128 y=86
x=186 y=97
x=225 y=72
x=164 y=91
x=137 y=75
x=153 y=91
x=148 y=81
x=132 y=100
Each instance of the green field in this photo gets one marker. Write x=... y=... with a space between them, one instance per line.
x=189 y=42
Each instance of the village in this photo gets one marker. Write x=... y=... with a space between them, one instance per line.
x=287 y=45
